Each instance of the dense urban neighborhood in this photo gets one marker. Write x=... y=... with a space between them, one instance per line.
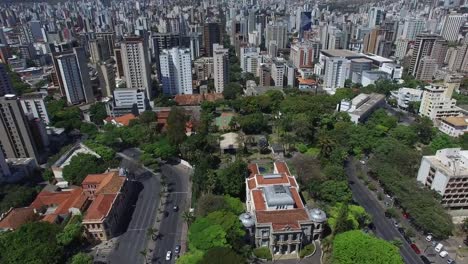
x=233 y=131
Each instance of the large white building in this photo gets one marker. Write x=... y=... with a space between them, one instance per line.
x=454 y=126
x=136 y=65
x=437 y=102
x=405 y=96
x=221 y=67
x=250 y=59
x=276 y=32
x=413 y=27
x=176 y=71
x=277 y=72
x=447 y=173
x=451 y=26
x=336 y=72
x=401 y=48
x=33 y=103
x=302 y=55
x=361 y=106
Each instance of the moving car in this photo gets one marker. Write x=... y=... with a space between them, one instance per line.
x=439 y=247
x=168 y=255
x=177 y=249
x=415 y=249
x=450 y=261
x=175 y=208
x=443 y=254
x=425 y=260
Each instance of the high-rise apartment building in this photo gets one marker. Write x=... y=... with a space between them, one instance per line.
x=250 y=59
x=106 y=75
x=276 y=32
x=221 y=67
x=277 y=72
x=98 y=50
x=211 y=35
x=176 y=71
x=426 y=69
x=5 y=82
x=422 y=48
x=437 y=101
x=376 y=16
x=136 y=65
x=73 y=76
x=413 y=27
x=302 y=55
x=109 y=40
x=451 y=26
x=336 y=72
x=16 y=138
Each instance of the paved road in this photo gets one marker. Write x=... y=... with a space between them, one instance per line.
x=384 y=227
x=178 y=177
x=134 y=240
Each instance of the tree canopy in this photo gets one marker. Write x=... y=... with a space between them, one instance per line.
x=357 y=247
x=80 y=166
x=176 y=123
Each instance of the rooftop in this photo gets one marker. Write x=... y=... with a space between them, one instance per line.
x=341 y=53
x=458 y=121
x=123 y=120
x=16 y=217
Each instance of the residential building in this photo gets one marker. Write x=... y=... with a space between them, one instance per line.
x=264 y=74
x=120 y=121
x=361 y=106
x=250 y=59
x=211 y=35
x=413 y=27
x=16 y=137
x=336 y=72
x=302 y=55
x=307 y=84
x=276 y=217
x=276 y=32
x=137 y=70
x=111 y=194
x=376 y=16
x=426 y=69
x=16 y=217
x=405 y=96
x=454 y=126
x=176 y=71
x=106 y=75
x=446 y=172
x=437 y=101
x=161 y=41
x=73 y=76
x=33 y=103
x=370 y=77
x=204 y=68
x=451 y=26
x=127 y=100
x=422 y=48
x=98 y=50
x=5 y=82
x=401 y=48
x=221 y=67
x=277 y=72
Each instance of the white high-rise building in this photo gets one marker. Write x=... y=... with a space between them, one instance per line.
x=401 y=48
x=451 y=26
x=135 y=60
x=33 y=103
x=437 y=102
x=336 y=72
x=277 y=72
x=221 y=67
x=176 y=71
x=413 y=27
x=376 y=16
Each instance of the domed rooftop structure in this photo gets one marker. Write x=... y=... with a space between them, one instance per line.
x=247 y=220
x=317 y=215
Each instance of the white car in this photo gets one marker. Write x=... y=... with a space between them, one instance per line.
x=439 y=247
x=443 y=254
x=168 y=255
x=429 y=238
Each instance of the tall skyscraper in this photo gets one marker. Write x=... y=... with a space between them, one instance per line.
x=211 y=35
x=277 y=72
x=451 y=26
x=422 y=48
x=33 y=103
x=98 y=50
x=376 y=16
x=336 y=72
x=413 y=27
x=249 y=59
x=302 y=55
x=276 y=32
x=176 y=71
x=136 y=65
x=5 y=82
x=221 y=67
x=15 y=135
x=401 y=48
x=73 y=76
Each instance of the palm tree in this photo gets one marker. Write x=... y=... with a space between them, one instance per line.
x=152 y=232
x=144 y=253
x=188 y=217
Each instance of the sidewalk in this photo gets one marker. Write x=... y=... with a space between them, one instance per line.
x=184 y=231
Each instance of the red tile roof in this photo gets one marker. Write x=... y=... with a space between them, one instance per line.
x=282 y=218
x=123 y=120
x=196 y=99
x=46 y=198
x=97 y=178
x=258 y=200
x=253 y=168
x=76 y=199
x=282 y=167
x=268 y=181
x=251 y=183
x=100 y=207
x=307 y=81
x=17 y=217
x=297 y=198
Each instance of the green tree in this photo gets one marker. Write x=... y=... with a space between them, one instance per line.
x=356 y=216
x=232 y=178
x=253 y=123
x=80 y=166
x=424 y=129
x=161 y=149
x=192 y=257
x=230 y=224
x=82 y=258
x=357 y=247
x=222 y=255
x=176 y=123
x=98 y=113
x=148 y=117
x=72 y=232
x=16 y=195
x=48 y=175
x=333 y=191
x=441 y=141
x=203 y=235
x=32 y=243
x=232 y=90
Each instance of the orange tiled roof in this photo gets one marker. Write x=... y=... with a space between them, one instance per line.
x=196 y=99
x=17 y=217
x=125 y=119
x=253 y=168
x=297 y=198
x=251 y=183
x=96 y=178
x=282 y=167
x=263 y=181
x=282 y=218
x=307 y=81
x=100 y=207
x=76 y=199
x=46 y=198
x=258 y=200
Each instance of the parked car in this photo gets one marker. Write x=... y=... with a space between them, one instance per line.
x=425 y=260
x=177 y=249
x=415 y=249
x=395 y=223
x=168 y=255
x=406 y=215
x=439 y=247
x=175 y=208
x=408 y=239
x=429 y=238
x=401 y=230
x=443 y=254
x=450 y=261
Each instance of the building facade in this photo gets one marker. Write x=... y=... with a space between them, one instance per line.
x=221 y=67
x=33 y=103
x=176 y=71
x=137 y=70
